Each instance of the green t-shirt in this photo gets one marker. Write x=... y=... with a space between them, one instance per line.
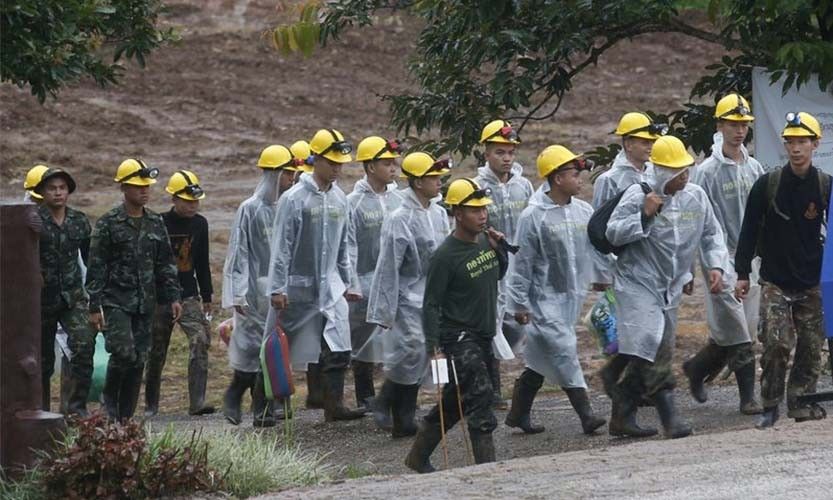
x=461 y=291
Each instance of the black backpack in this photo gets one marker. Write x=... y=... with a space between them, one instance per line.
x=597 y=225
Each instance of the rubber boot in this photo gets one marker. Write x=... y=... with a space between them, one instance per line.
x=315 y=388
x=334 y=409
x=672 y=425
x=768 y=417
x=262 y=409
x=482 y=446
x=703 y=365
x=67 y=384
x=623 y=420
x=233 y=399
x=382 y=404
x=363 y=382
x=77 y=401
x=153 y=382
x=110 y=393
x=197 y=380
x=427 y=438
x=131 y=384
x=523 y=394
x=745 y=377
x=581 y=403
x=46 y=396
x=403 y=410
x=498 y=403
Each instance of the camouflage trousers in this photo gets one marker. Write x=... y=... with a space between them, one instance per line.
x=126 y=337
x=643 y=378
x=790 y=320
x=471 y=358
x=196 y=328
x=81 y=339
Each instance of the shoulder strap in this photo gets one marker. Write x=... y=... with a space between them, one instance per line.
x=824 y=187
x=773 y=179
x=645 y=187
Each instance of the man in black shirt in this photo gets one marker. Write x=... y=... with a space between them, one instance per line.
x=460 y=317
x=188 y=232
x=785 y=224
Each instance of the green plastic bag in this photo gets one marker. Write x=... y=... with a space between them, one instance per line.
x=100 y=359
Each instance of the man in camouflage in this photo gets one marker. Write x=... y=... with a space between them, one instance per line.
x=785 y=224
x=131 y=266
x=65 y=233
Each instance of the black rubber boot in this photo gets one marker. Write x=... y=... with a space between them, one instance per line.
x=404 y=409
x=232 y=400
x=673 y=426
x=46 y=396
x=746 y=390
x=77 y=401
x=315 y=388
x=704 y=365
x=581 y=403
x=768 y=417
x=131 y=385
x=110 y=393
x=363 y=382
x=427 y=438
x=382 y=405
x=623 y=420
x=197 y=380
x=498 y=403
x=523 y=394
x=153 y=382
x=482 y=446
x=263 y=414
x=334 y=409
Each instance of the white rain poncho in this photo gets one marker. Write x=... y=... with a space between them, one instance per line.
x=651 y=272
x=311 y=265
x=549 y=278
x=410 y=235
x=246 y=269
x=509 y=199
x=727 y=184
x=621 y=175
x=368 y=209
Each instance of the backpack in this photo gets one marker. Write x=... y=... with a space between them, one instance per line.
x=597 y=225
x=772 y=182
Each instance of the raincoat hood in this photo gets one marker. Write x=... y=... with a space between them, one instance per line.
x=267 y=187
x=717 y=150
x=515 y=175
x=541 y=198
x=363 y=186
x=622 y=161
x=662 y=176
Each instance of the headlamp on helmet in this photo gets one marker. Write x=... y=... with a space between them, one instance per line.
x=740 y=110
x=144 y=172
x=507 y=132
x=794 y=121
x=477 y=194
x=393 y=146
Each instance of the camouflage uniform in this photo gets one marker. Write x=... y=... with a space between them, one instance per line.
x=790 y=319
x=196 y=328
x=131 y=269
x=64 y=301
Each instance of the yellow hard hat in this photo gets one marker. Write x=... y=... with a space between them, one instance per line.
x=330 y=144
x=33 y=177
x=275 y=157
x=552 y=158
x=733 y=107
x=55 y=172
x=499 y=131
x=636 y=124
x=301 y=156
x=424 y=165
x=801 y=124
x=466 y=192
x=136 y=173
x=186 y=185
x=375 y=148
x=670 y=152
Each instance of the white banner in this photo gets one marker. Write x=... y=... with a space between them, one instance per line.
x=770 y=107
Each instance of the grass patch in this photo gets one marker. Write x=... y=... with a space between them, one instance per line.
x=254 y=463
x=28 y=487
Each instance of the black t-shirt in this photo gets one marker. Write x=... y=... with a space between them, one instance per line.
x=461 y=291
x=189 y=242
